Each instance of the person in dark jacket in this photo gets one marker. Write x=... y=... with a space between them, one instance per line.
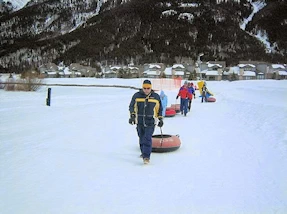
x=145 y=109
x=204 y=93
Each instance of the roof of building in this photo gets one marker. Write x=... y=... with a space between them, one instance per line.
x=168 y=71
x=133 y=68
x=210 y=65
x=115 y=67
x=282 y=73
x=211 y=73
x=234 y=69
x=149 y=72
x=154 y=66
x=249 y=74
x=179 y=73
x=277 y=66
x=178 y=66
x=246 y=65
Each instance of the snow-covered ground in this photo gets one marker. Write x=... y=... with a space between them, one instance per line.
x=80 y=155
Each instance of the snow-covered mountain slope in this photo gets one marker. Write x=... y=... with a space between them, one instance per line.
x=44 y=20
x=262 y=36
x=17 y=4
x=79 y=31
x=257 y=6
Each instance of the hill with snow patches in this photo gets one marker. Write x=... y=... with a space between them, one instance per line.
x=116 y=31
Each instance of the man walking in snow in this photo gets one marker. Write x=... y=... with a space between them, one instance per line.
x=191 y=94
x=204 y=93
x=184 y=96
x=144 y=108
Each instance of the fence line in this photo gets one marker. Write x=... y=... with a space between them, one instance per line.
x=166 y=84
x=157 y=84
x=80 y=85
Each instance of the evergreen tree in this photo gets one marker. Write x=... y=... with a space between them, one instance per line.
x=120 y=73
x=233 y=77
x=190 y=77
x=194 y=75
x=162 y=75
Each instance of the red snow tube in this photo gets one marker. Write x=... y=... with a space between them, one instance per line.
x=165 y=143
x=176 y=107
x=170 y=112
x=211 y=99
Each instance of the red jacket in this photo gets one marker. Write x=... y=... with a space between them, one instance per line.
x=184 y=93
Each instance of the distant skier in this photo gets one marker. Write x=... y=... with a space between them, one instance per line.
x=204 y=93
x=184 y=96
x=164 y=100
x=144 y=107
x=191 y=94
x=194 y=88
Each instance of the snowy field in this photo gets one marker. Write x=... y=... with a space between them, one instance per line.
x=80 y=155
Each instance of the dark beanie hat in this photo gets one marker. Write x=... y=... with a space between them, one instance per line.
x=146 y=84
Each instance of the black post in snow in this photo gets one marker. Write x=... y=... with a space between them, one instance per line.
x=48 y=100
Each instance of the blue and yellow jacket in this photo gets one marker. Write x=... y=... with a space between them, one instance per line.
x=146 y=108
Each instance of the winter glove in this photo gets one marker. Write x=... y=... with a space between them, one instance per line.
x=177 y=97
x=132 y=119
x=194 y=95
x=160 y=122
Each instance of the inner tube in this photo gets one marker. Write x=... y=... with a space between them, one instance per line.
x=170 y=112
x=165 y=143
x=211 y=99
x=176 y=107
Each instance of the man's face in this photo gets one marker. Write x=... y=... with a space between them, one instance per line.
x=147 y=90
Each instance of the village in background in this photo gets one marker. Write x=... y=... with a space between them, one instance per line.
x=121 y=50
x=210 y=71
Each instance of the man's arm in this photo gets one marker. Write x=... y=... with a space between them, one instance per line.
x=132 y=104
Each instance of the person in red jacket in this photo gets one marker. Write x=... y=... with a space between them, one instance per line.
x=184 y=97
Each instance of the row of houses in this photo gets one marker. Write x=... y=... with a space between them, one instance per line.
x=218 y=71
x=213 y=70
x=244 y=71
x=52 y=70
